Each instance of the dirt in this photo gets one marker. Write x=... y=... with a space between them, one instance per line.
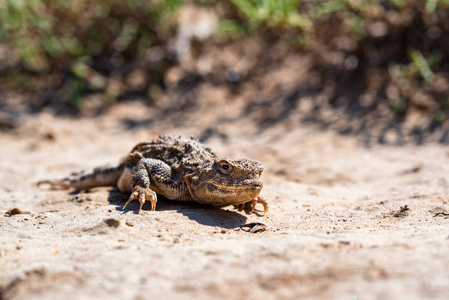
x=329 y=234
x=403 y=212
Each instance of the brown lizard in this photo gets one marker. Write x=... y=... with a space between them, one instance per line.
x=179 y=169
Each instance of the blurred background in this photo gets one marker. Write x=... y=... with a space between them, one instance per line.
x=376 y=69
x=313 y=89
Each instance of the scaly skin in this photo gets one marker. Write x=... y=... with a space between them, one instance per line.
x=179 y=169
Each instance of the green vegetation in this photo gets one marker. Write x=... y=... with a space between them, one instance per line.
x=80 y=47
x=75 y=46
x=282 y=14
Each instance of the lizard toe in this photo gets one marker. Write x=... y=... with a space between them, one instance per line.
x=250 y=206
x=143 y=194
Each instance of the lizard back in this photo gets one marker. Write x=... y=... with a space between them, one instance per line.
x=177 y=152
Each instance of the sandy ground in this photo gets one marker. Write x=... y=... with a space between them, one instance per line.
x=335 y=229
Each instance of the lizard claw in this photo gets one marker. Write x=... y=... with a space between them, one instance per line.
x=250 y=206
x=261 y=200
x=131 y=198
x=143 y=194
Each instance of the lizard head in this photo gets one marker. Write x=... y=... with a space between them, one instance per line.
x=226 y=181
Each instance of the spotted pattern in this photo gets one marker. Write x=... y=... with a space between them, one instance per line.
x=180 y=169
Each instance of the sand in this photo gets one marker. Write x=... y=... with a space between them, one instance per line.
x=345 y=221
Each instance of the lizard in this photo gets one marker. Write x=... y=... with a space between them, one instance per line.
x=177 y=168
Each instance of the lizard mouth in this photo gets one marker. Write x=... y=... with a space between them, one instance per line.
x=226 y=193
x=257 y=185
x=248 y=185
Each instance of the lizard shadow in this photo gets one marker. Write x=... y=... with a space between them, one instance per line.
x=203 y=214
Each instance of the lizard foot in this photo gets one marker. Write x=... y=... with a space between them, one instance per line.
x=143 y=194
x=251 y=205
x=63 y=184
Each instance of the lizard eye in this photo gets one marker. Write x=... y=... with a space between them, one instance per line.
x=225 y=168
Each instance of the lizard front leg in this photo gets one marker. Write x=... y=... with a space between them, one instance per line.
x=250 y=206
x=149 y=175
x=140 y=181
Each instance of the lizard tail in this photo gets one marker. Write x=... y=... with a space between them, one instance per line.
x=100 y=176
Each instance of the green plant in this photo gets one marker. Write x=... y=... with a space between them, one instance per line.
x=272 y=13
